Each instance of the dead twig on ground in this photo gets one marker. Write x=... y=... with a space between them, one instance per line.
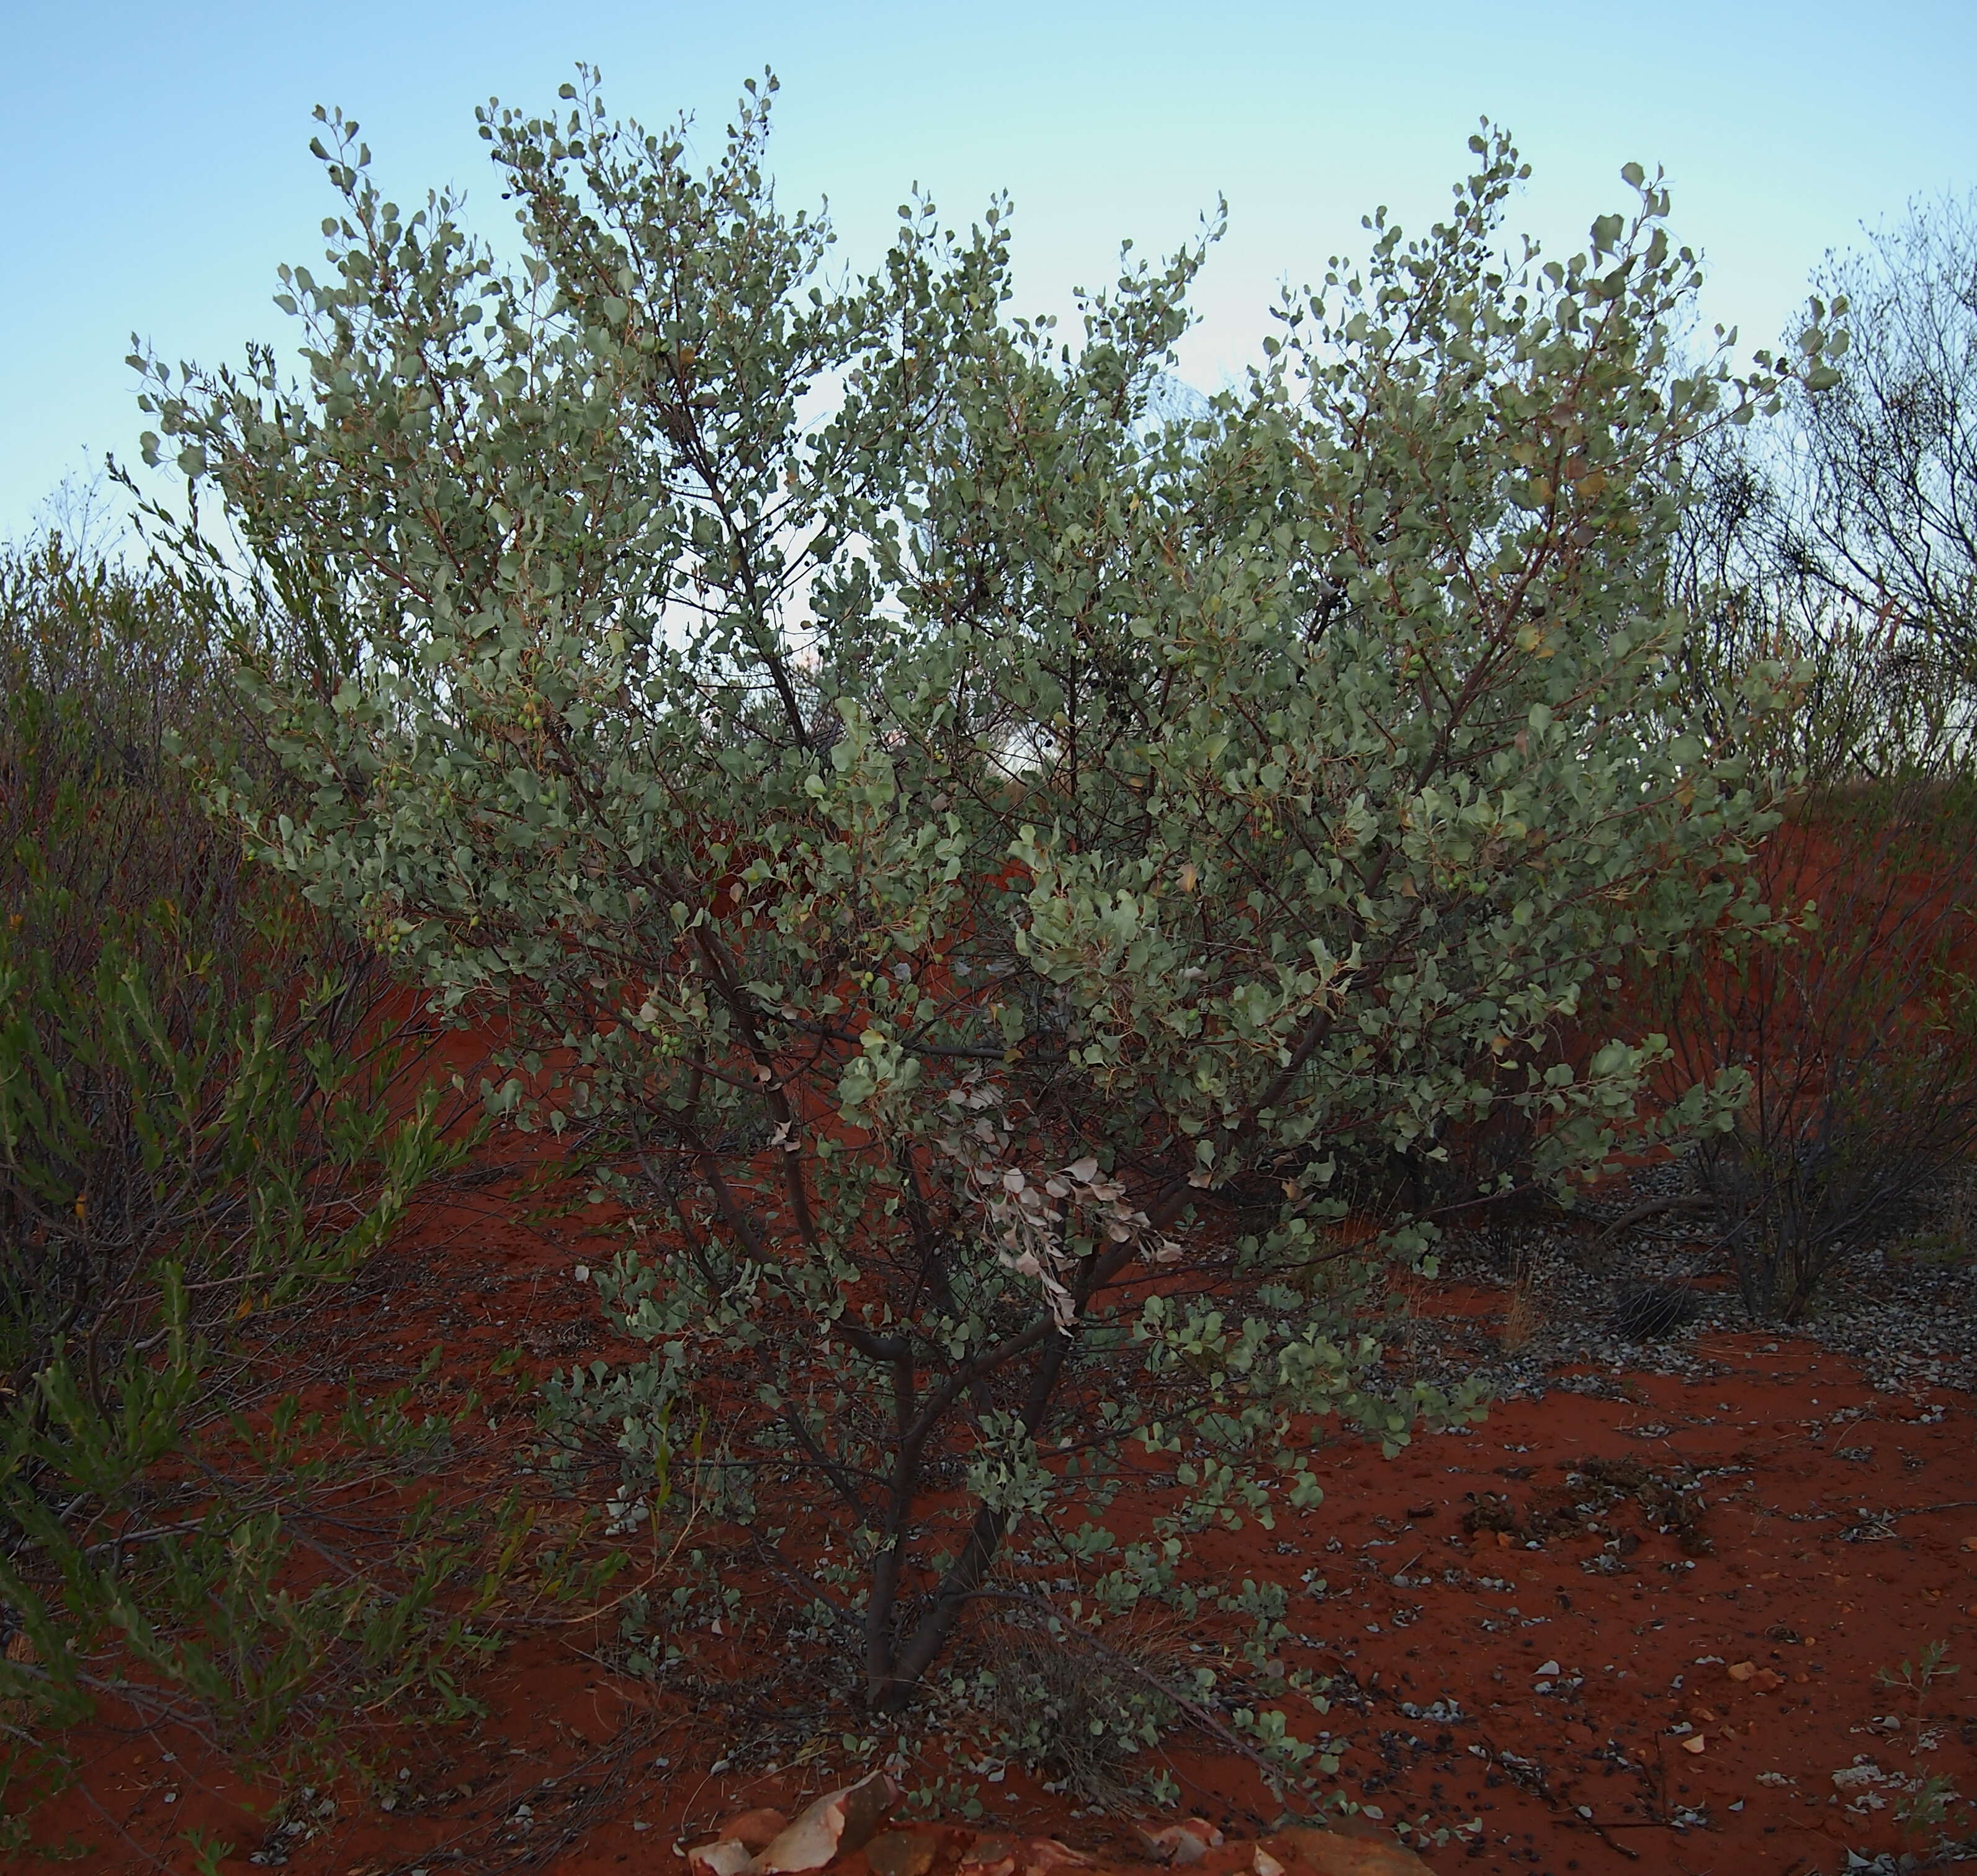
x=1531 y=1774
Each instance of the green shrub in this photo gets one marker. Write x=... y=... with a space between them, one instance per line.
x=205 y=1116
x=970 y=860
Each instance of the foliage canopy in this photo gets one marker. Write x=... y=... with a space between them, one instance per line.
x=983 y=870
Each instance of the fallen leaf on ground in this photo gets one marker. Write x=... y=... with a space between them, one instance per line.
x=736 y=1844
x=1045 y=1853
x=757 y=1829
x=1852 y=1777
x=1181 y=1844
x=726 y=1856
x=839 y=1822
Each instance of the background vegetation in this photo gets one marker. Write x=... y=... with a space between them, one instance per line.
x=209 y=1116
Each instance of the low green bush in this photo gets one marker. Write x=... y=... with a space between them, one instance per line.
x=208 y=1111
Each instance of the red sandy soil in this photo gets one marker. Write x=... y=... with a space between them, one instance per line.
x=1841 y=1532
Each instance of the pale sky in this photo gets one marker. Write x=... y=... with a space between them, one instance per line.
x=154 y=166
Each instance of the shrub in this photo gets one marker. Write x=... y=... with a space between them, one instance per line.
x=1086 y=1720
x=969 y=859
x=158 y=997
x=1829 y=539
x=203 y=1122
x=1856 y=1026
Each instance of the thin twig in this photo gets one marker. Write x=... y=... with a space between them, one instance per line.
x=1272 y=1772
x=1652 y=1207
x=1515 y=1768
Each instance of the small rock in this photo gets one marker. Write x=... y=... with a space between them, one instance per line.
x=1548 y=1671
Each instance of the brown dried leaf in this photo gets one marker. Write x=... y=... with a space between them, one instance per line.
x=838 y=1822
x=726 y=1856
x=757 y=1829
x=1041 y=1854
x=1181 y=1845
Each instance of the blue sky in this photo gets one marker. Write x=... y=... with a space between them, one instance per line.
x=154 y=165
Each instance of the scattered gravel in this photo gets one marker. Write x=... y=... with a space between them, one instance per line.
x=1659 y=1298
